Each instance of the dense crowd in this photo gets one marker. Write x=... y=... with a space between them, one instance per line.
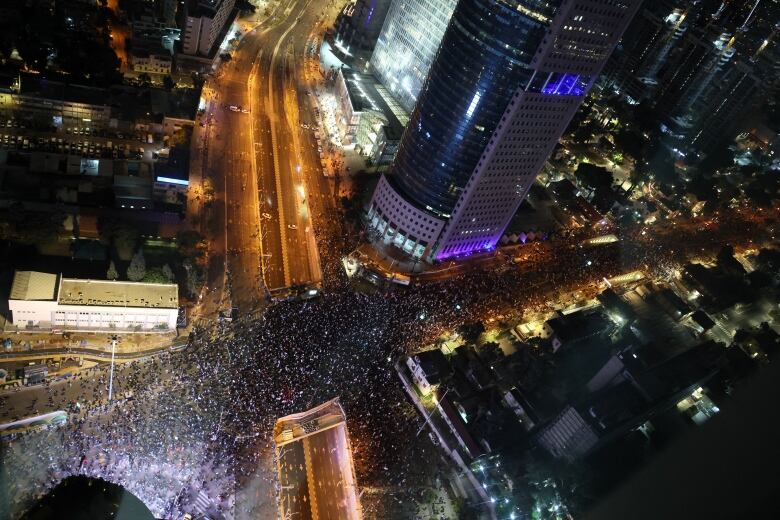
x=197 y=423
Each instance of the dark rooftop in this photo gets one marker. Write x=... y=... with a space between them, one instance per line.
x=433 y=364
x=579 y=325
x=364 y=95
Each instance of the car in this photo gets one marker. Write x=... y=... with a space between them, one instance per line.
x=234 y=108
x=292 y=226
x=244 y=110
x=267 y=215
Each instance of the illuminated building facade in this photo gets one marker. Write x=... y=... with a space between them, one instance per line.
x=407 y=46
x=359 y=24
x=505 y=84
x=42 y=301
x=205 y=21
x=634 y=67
x=705 y=91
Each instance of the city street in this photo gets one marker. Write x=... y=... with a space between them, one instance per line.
x=261 y=165
x=599 y=181
x=222 y=394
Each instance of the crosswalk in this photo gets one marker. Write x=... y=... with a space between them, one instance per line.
x=201 y=505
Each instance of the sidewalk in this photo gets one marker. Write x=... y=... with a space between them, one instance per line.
x=128 y=343
x=389 y=261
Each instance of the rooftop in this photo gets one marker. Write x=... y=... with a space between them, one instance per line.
x=433 y=364
x=32 y=285
x=118 y=294
x=364 y=95
x=314 y=464
x=578 y=325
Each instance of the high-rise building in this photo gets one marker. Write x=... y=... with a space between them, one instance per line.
x=507 y=80
x=705 y=109
x=206 y=21
x=359 y=24
x=166 y=11
x=695 y=62
x=633 y=68
x=407 y=46
x=713 y=77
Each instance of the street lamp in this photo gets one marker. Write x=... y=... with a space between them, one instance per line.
x=111 y=376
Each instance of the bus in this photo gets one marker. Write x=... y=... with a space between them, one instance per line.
x=38 y=422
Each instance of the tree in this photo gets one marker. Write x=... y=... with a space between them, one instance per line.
x=155 y=275
x=188 y=243
x=245 y=6
x=194 y=277
x=594 y=176
x=137 y=268
x=32 y=227
x=471 y=331
x=122 y=234
x=490 y=352
x=112 y=273
x=168 y=83
x=168 y=273
x=144 y=79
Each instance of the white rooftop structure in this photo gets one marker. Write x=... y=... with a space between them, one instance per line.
x=118 y=294
x=31 y=285
x=48 y=301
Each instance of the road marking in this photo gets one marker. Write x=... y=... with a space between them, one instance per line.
x=252 y=76
x=293 y=121
x=277 y=176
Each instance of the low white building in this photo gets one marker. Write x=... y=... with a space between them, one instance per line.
x=49 y=301
x=428 y=368
x=149 y=62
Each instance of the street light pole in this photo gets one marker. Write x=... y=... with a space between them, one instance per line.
x=111 y=376
x=428 y=417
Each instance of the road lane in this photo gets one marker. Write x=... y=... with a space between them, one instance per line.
x=260 y=164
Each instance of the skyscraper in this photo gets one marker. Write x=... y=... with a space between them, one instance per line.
x=652 y=35
x=205 y=21
x=508 y=78
x=359 y=24
x=407 y=46
x=703 y=92
x=713 y=77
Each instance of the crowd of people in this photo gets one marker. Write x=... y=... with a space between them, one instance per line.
x=198 y=423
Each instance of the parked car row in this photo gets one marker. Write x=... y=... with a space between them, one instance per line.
x=86 y=148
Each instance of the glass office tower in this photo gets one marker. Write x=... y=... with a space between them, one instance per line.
x=484 y=56
x=508 y=78
x=407 y=46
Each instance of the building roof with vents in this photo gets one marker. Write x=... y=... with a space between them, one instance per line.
x=32 y=285
x=118 y=294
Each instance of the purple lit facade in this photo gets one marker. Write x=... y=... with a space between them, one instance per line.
x=567 y=85
x=581 y=37
x=433 y=208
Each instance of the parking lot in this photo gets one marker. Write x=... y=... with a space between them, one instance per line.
x=84 y=142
